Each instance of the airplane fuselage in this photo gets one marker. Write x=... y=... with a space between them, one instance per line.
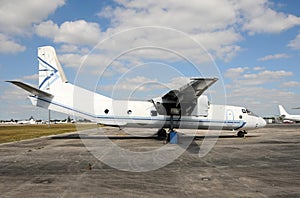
x=71 y=99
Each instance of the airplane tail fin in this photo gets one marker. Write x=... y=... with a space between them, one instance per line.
x=282 y=111
x=51 y=73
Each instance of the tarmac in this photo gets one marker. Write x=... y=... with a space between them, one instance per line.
x=266 y=163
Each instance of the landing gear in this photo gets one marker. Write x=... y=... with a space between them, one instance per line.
x=161 y=134
x=241 y=133
x=171 y=136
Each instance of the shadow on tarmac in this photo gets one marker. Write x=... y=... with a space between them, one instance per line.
x=128 y=137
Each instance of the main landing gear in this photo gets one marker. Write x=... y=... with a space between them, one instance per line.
x=171 y=137
x=161 y=134
x=241 y=133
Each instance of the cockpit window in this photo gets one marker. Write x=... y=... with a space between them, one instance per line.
x=251 y=113
x=244 y=110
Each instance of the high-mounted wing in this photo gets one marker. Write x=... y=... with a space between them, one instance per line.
x=183 y=100
x=190 y=91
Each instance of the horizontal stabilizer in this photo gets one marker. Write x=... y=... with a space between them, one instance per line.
x=30 y=89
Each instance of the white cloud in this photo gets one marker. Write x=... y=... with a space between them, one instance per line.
x=31 y=77
x=9 y=46
x=258 y=17
x=260 y=100
x=71 y=32
x=234 y=73
x=215 y=24
x=14 y=93
x=208 y=22
x=171 y=13
x=136 y=87
x=269 y=74
x=94 y=64
x=15 y=104
x=131 y=84
x=17 y=17
x=47 y=29
x=291 y=84
x=249 y=88
x=295 y=44
x=258 y=68
x=243 y=76
x=69 y=48
x=71 y=60
x=273 y=56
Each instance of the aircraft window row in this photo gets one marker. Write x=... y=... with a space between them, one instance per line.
x=128 y=112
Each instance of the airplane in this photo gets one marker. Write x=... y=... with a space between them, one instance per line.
x=185 y=107
x=31 y=121
x=286 y=116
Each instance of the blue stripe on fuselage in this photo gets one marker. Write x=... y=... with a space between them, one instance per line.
x=135 y=118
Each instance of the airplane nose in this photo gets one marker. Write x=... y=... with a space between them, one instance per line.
x=261 y=122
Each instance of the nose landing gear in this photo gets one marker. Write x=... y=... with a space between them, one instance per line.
x=241 y=133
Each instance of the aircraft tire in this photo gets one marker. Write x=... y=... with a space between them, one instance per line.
x=161 y=134
x=241 y=133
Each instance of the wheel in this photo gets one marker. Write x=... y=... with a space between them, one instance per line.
x=161 y=134
x=241 y=134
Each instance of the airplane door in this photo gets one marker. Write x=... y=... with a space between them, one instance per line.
x=229 y=117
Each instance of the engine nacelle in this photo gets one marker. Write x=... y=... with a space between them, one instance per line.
x=201 y=109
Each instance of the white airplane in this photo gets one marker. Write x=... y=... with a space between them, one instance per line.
x=286 y=116
x=182 y=108
x=31 y=121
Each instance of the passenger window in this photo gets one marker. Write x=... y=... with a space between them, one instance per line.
x=153 y=113
x=129 y=112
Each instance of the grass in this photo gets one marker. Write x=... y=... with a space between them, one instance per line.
x=10 y=133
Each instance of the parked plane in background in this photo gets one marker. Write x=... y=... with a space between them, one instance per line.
x=182 y=108
x=286 y=116
x=31 y=121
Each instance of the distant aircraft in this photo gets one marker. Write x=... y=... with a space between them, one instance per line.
x=182 y=108
x=285 y=116
x=31 y=121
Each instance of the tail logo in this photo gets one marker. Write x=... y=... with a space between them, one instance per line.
x=49 y=74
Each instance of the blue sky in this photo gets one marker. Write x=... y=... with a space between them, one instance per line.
x=255 y=45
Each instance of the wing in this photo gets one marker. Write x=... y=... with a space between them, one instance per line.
x=183 y=100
